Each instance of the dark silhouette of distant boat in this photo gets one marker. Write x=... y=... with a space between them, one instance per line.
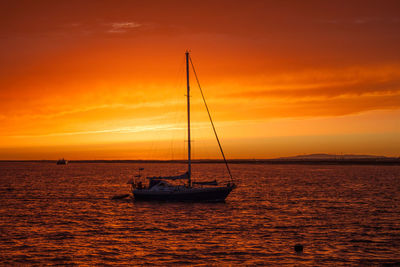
x=160 y=188
x=62 y=162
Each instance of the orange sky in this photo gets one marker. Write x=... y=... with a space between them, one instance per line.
x=105 y=79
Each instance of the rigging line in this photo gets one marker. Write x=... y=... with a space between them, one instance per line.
x=177 y=118
x=209 y=116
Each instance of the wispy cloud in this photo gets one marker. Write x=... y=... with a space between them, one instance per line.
x=134 y=129
x=326 y=84
x=362 y=20
x=318 y=93
x=122 y=27
x=53 y=114
x=123 y=130
x=326 y=91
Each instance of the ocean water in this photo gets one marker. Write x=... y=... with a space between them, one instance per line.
x=342 y=215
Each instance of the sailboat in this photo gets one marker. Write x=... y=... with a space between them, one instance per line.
x=62 y=162
x=161 y=188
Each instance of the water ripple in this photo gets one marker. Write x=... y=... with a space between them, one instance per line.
x=343 y=215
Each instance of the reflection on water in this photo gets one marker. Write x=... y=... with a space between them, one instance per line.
x=342 y=215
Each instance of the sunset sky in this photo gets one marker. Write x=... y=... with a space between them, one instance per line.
x=106 y=79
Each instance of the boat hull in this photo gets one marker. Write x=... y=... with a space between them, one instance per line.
x=209 y=194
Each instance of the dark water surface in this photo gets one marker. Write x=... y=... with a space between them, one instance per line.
x=343 y=215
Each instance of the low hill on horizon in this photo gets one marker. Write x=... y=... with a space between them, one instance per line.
x=332 y=156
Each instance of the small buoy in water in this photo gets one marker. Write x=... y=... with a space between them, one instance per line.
x=120 y=196
x=298 y=248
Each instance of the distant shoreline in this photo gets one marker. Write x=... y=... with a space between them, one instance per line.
x=361 y=161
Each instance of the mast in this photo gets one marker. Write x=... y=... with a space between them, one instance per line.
x=188 y=118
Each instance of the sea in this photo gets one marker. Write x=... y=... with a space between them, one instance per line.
x=65 y=215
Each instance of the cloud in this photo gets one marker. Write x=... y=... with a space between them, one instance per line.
x=326 y=91
x=324 y=84
x=316 y=93
x=136 y=129
x=362 y=20
x=122 y=27
x=266 y=108
x=51 y=111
